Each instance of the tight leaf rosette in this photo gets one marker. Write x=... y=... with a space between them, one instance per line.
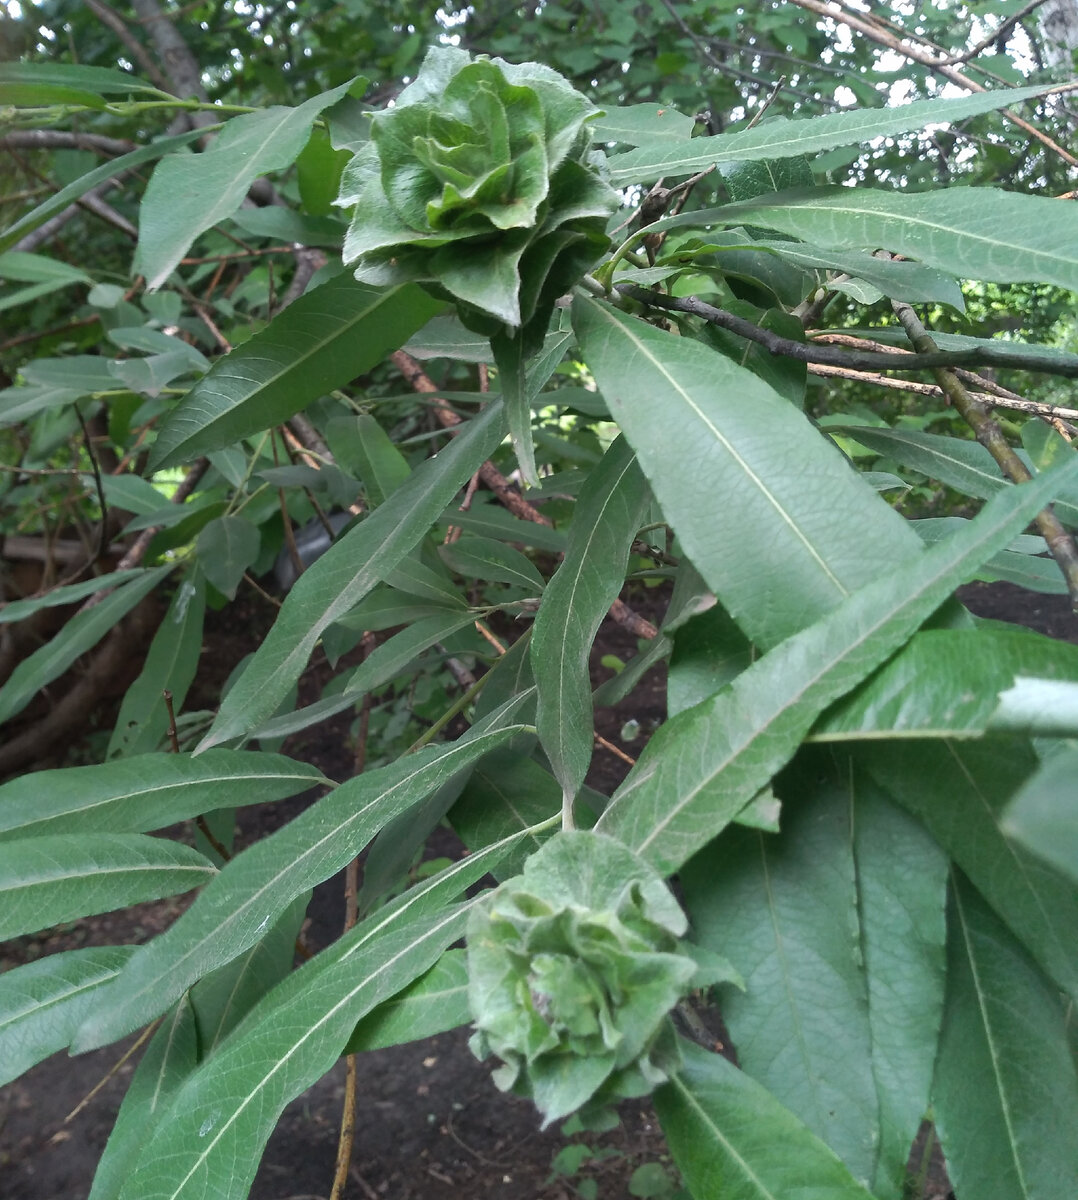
x=479 y=184
x=573 y=969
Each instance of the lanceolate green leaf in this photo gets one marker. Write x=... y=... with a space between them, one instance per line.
x=189 y=193
x=103 y=81
x=1044 y=817
x=44 y=1002
x=607 y=516
x=149 y=791
x=975 y=233
x=1006 y=1091
x=383 y=663
x=959 y=791
x=783 y=910
x=709 y=761
x=80 y=634
x=258 y=884
x=171 y=663
x=219 y=1121
x=945 y=683
x=226 y=547
x=19 y=610
x=170 y=1057
x=493 y=561
x=321 y=341
x=58 y=877
x=761 y=503
x=902 y=893
x=434 y=1003
x=781 y=138
x=348 y=571
x=732 y=1140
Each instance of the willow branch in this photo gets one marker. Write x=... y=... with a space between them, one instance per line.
x=988 y=399
x=65 y=139
x=1060 y=543
x=813 y=352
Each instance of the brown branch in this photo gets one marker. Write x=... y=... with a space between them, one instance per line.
x=813 y=352
x=1060 y=543
x=116 y=23
x=64 y=139
x=503 y=489
x=989 y=399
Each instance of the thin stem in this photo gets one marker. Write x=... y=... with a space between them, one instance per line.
x=1060 y=543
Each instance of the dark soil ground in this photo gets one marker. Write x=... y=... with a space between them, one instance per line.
x=430 y=1123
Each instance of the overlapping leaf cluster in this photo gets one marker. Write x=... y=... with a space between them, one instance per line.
x=479 y=183
x=574 y=966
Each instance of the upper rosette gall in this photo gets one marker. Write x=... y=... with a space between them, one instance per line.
x=480 y=184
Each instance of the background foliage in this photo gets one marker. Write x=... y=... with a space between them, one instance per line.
x=863 y=794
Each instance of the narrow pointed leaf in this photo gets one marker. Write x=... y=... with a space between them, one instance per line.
x=945 y=683
x=436 y=1002
x=169 y=1059
x=259 y=883
x=171 y=664
x=607 y=517
x=59 y=877
x=709 y=761
x=783 y=910
x=1043 y=816
x=189 y=193
x=226 y=547
x=974 y=233
x=902 y=899
x=222 y=1116
x=80 y=634
x=104 y=81
x=732 y=1140
x=493 y=561
x=42 y=1003
x=347 y=572
x=383 y=663
x=782 y=138
x=319 y=342
x=512 y=379
x=1006 y=1093
x=150 y=791
x=959 y=790
x=493 y=521
x=19 y=610
x=723 y=441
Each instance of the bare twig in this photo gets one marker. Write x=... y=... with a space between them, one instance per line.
x=813 y=352
x=65 y=139
x=990 y=400
x=1060 y=543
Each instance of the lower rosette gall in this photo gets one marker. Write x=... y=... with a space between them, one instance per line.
x=574 y=967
